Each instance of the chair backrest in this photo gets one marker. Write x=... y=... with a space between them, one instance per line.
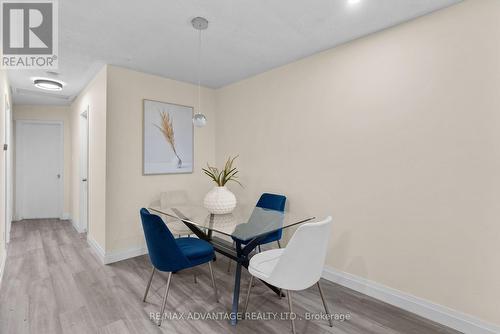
x=272 y=202
x=174 y=198
x=163 y=251
x=301 y=264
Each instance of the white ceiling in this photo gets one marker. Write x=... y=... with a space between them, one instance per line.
x=244 y=37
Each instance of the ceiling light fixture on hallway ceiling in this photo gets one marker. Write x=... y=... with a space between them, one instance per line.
x=353 y=2
x=48 y=84
x=199 y=23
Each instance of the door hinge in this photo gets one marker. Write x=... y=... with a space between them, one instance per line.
x=5 y=147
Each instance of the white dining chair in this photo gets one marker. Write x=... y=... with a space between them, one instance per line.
x=296 y=267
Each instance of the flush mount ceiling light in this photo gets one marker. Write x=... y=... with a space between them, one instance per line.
x=353 y=2
x=48 y=84
x=199 y=23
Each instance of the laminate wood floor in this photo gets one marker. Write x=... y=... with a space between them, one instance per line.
x=54 y=284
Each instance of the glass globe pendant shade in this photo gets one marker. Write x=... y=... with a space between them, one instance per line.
x=199 y=120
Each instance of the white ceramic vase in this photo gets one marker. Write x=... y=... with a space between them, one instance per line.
x=219 y=201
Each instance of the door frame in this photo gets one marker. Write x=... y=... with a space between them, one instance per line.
x=18 y=194
x=8 y=186
x=84 y=117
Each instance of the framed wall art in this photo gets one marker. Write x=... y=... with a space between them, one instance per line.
x=167 y=138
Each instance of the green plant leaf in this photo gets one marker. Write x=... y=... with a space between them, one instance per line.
x=223 y=176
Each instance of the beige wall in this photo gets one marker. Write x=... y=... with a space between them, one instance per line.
x=53 y=113
x=93 y=97
x=397 y=136
x=127 y=189
x=4 y=94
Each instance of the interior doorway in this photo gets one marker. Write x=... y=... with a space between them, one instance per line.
x=39 y=169
x=84 y=163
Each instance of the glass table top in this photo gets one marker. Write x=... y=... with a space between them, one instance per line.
x=244 y=223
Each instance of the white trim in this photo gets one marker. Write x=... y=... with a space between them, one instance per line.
x=77 y=226
x=123 y=255
x=2 y=265
x=98 y=250
x=18 y=197
x=114 y=256
x=424 y=308
x=85 y=114
x=66 y=216
x=9 y=166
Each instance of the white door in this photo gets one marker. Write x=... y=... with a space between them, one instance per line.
x=39 y=166
x=84 y=156
x=8 y=170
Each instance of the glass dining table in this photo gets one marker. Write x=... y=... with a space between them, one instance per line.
x=234 y=235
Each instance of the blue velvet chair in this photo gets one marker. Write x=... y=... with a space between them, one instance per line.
x=170 y=255
x=272 y=202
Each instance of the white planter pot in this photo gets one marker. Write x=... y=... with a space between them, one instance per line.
x=219 y=201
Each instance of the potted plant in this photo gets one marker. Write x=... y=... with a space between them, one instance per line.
x=220 y=200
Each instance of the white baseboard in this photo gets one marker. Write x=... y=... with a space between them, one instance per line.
x=66 y=216
x=77 y=226
x=441 y=314
x=98 y=250
x=2 y=265
x=111 y=257
x=123 y=255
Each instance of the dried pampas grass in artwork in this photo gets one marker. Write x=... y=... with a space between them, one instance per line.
x=167 y=129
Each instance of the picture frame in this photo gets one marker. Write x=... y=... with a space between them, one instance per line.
x=168 y=138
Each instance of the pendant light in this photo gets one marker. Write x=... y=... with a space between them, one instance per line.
x=199 y=23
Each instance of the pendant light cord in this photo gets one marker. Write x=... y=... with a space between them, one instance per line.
x=199 y=72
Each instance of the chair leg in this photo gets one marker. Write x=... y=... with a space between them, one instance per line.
x=289 y=294
x=165 y=299
x=279 y=244
x=149 y=284
x=248 y=295
x=325 y=304
x=213 y=281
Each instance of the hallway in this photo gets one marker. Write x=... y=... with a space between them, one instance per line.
x=54 y=284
